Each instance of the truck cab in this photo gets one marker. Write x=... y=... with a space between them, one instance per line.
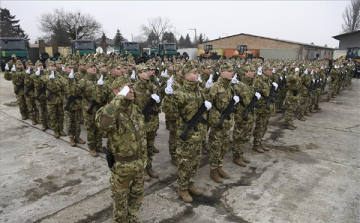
x=83 y=46
x=132 y=48
x=167 y=49
x=10 y=46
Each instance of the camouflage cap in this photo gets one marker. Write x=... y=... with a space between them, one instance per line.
x=141 y=66
x=151 y=66
x=90 y=64
x=226 y=67
x=18 y=62
x=205 y=66
x=101 y=64
x=28 y=63
x=38 y=62
x=13 y=55
x=69 y=64
x=120 y=81
x=178 y=67
x=58 y=62
x=188 y=68
x=50 y=63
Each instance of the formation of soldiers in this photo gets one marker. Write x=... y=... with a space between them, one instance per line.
x=202 y=101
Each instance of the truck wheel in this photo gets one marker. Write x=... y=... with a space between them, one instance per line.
x=2 y=67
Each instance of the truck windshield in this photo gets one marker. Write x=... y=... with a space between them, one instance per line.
x=13 y=45
x=131 y=46
x=84 y=45
x=169 y=46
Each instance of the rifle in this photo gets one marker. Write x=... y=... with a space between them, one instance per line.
x=226 y=113
x=148 y=109
x=40 y=92
x=311 y=87
x=270 y=98
x=28 y=89
x=193 y=122
x=48 y=97
x=323 y=88
x=92 y=106
x=216 y=77
x=19 y=87
x=70 y=100
x=250 y=108
x=109 y=157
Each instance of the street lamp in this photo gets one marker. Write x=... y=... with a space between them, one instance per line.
x=76 y=26
x=195 y=35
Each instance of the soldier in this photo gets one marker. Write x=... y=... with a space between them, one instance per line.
x=220 y=95
x=72 y=106
x=54 y=97
x=29 y=90
x=334 y=74
x=17 y=76
x=243 y=125
x=305 y=82
x=188 y=100
x=93 y=92
x=263 y=85
x=148 y=100
x=292 y=97
x=124 y=124
x=40 y=94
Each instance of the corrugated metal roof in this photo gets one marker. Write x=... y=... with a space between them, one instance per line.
x=281 y=40
x=345 y=34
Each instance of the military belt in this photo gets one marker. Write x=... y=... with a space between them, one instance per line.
x=128 y=158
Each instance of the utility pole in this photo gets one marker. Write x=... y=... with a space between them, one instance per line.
x=76 y=26
x=195 y=36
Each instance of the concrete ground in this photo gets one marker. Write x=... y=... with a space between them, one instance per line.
x=310 y=175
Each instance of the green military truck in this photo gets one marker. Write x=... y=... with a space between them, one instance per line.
x=10 y=46
x=83 y=46
x=167 y=49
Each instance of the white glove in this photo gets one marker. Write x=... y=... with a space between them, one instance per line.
x=312 y=72
x=166 y=73
x=306 y=71
x=133 y=75
x=13 y=68
x=275 y=85
x=320 y=79
x=281 y=78
x=217 y=73
x=285 y=77
x=273 y=71
x=7 y=67
x=239 y=66
x=101 y=80
x=313 y=80
x=63 y=67
x=71 y=75
x=285 y=69
x=327 y=79
x=236 y=99
x=162 y=63
x=297 y=69
x=163 y=74
x=199 y=79
x=258 y=95
x=156 y=98
x=209 y=82
x=28 y=70
x=259 y=71
x=169 y=90
x=207 y=105
x=124 y=91
x=37 y=72
x=234 y=80
x=52 y=75
x=157 y=68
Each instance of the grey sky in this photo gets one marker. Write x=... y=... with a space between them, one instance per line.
x=301 y=21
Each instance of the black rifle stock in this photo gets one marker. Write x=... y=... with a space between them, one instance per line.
x=48 y=97
x=19 y=87
x=193 y=122
x=271 y=96
x=148 y=109
x=250 y=108
x=28 y=89
x=40 y=92
x=226 y=113
x=92 y=106
x=109 y=157
x=71 y=100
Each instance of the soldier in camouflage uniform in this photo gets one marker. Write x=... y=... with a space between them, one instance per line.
x=243 y=128
x=220 y=95
x=72 y=106
x=29 y=89
x=262 y=84
x=292 y=97
x=124 y=124
x=147 y=92
x=305 y=82
x=187 y=100
x=54 y=97
x=17 y=76
x=94 y=92
x=167 y=106
x=40 y=93
x=334 y=76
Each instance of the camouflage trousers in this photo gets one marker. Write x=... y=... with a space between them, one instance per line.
x=219 y=140
x=261 y=125
x=189 y=156
x=56 y=116
x=73 y=122
x=311 y=102
x=317 y=98
x=171 y=126
x=94 y=134
x=41 y=106
x=303 y=105
x=242 y=134
x=32 y=110
x=290 y=108
x=279 y=100
x=331 y=92
x=150 y=139
x=127 y=191
x=20 y=98
x=337 y=87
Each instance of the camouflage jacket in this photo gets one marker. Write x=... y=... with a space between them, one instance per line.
x=262 y=84
x=40 y=86
x=29 y=89
x=143 y=91
x=124 y=124
x=72 y=94
x=245 y=93
x=168 y=106
x=305 y=82
x=17 y=77
x=54 y=88
x=187 y=100
x=294 y=86
x=220 y=95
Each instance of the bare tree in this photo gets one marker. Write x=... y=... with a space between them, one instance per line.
x=156 y=26
x=66 y=26
x=351 y=17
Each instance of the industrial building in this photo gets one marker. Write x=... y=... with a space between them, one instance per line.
x=348 y=40
x=270 y=48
